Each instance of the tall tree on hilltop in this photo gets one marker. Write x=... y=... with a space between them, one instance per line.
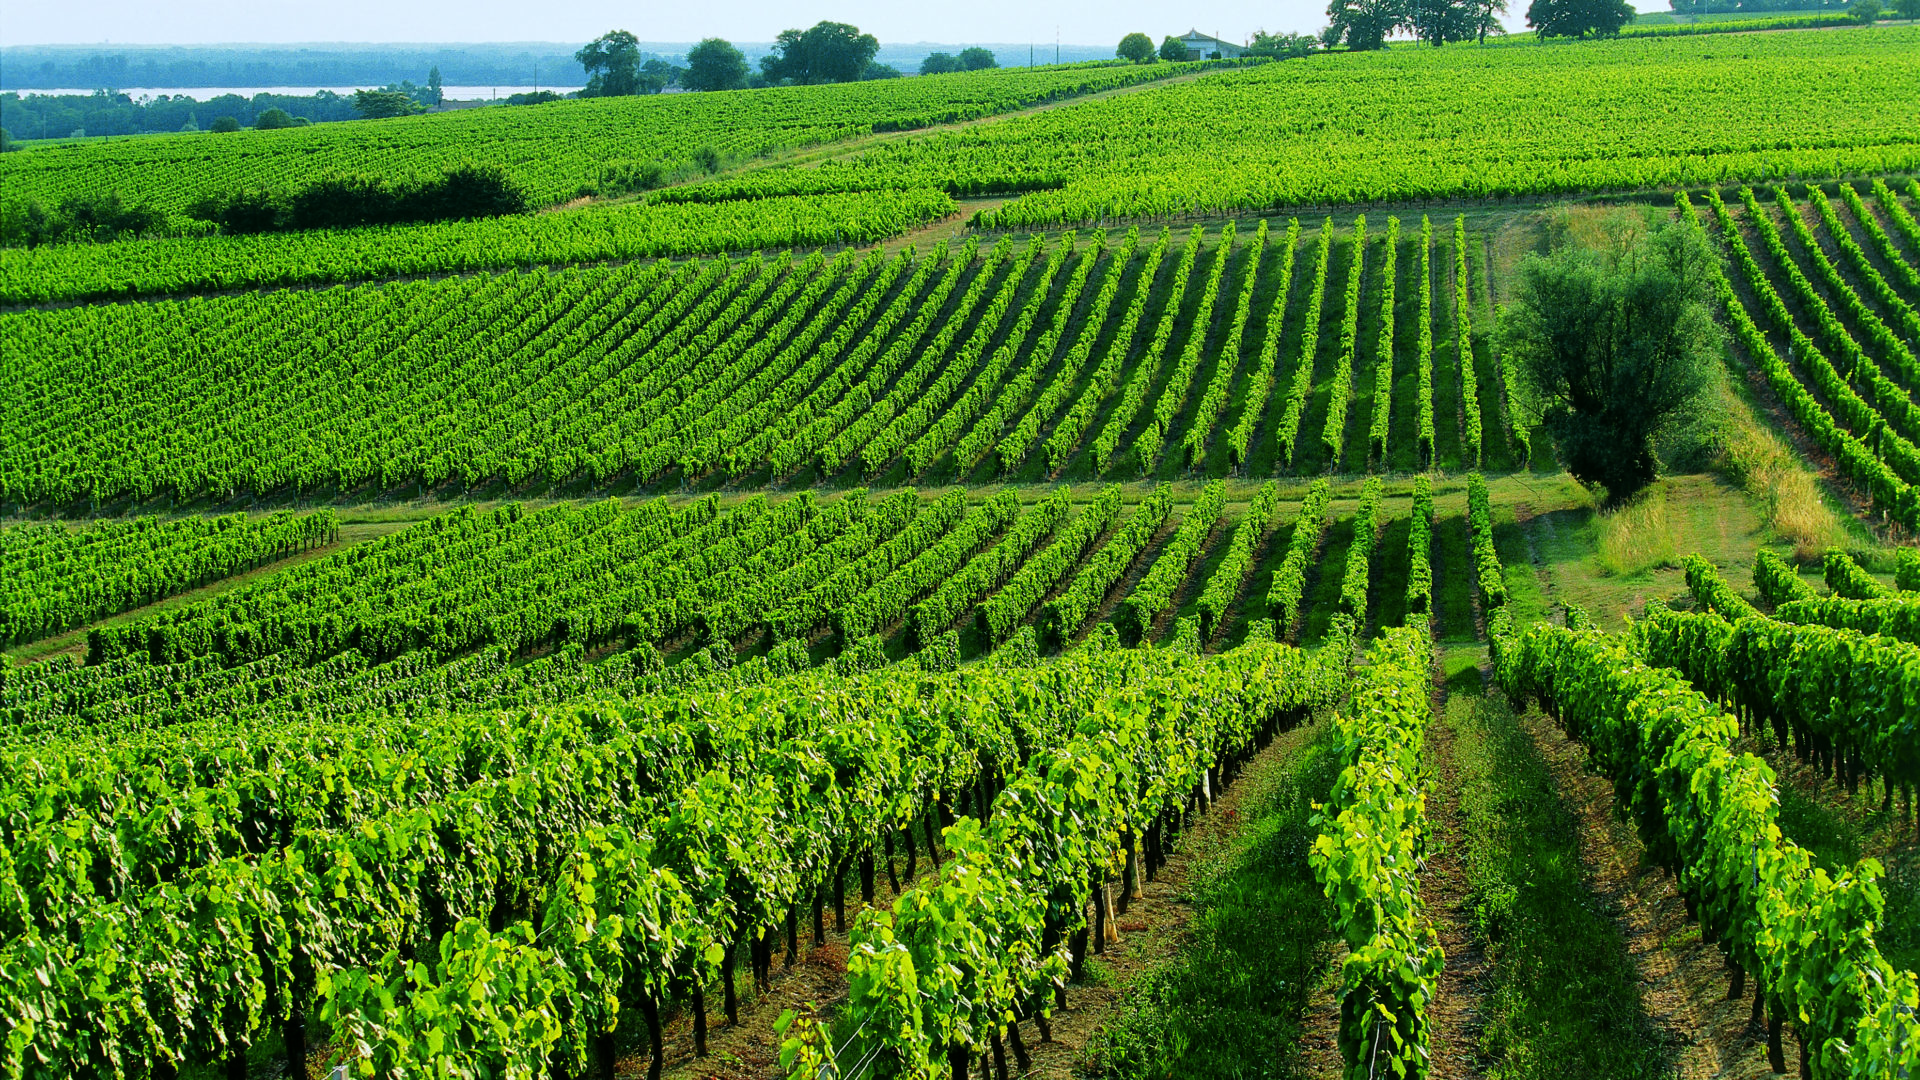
x=1364 y=24
x=613 y=65
x=1437 y=22
x=828 y=52
x=1579 y=18
x=1136 y=47
x=715 y=64
x=1486 y=18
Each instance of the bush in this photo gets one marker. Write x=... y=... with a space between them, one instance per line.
x=223 y=124
x=1136 y=47
x=273 y=120
x=939 y=63
x=77 y=218
x=1865 y=11
x=468 y=191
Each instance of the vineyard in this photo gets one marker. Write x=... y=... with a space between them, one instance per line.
x=555 y=151
x=1091 y=592
x=1258 y=348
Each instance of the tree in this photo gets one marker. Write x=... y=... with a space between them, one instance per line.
x=1365 y=24
x=1172 y=48
x=829 y=52
x=1614 y=343
x=612 y=63
x=1437 y=22
x=273 y=120
x=1579 y=18
x=978 y=59
x=1135 y=47
x=1486 y=18
x=715 y=64
x=1283 y=46
x=380 y=104
x=657 y=74
x=877 y=70
x=939 y=64
x=434 y=95
x=1907 y=9
x=1865 y=11
x=223 y=124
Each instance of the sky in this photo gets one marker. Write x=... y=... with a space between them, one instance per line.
x=191 y=22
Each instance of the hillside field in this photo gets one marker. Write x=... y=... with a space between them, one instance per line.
x=1041 y=572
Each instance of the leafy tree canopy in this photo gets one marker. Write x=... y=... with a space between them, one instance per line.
x=1283 y=46
x=273 y=119
x=828 y=52
x=715 y=64
x=976 y=58
x=1363 y=25
x=1579 y=18
x=1613 y=343
x=1135 y=47
x=612 y=62
x=224 y=124
x=939 y=63
x=379 y=105
x=1172 y=48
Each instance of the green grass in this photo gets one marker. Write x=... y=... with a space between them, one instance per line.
x=1561 y=996
x=1231 y=1003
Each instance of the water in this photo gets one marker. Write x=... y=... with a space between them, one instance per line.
x=204 y=93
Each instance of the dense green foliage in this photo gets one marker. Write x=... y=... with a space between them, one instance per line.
x=1805 y=936
x=1612 y=343
x=1866 y=449
x=1013 y=906
x=53 y=578
x=1373 y=836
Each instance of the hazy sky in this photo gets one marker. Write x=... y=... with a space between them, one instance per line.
x=28 y=22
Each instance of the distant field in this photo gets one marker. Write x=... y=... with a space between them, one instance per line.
x=555 y=151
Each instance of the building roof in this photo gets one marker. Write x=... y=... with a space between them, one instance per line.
x=1195 y=35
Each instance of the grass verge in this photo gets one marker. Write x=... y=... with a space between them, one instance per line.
x=1232 y=1002
x=1562 y=997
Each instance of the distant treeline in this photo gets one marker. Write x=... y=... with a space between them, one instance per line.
x=50 y=67
x=71 y=67
x=40 y=117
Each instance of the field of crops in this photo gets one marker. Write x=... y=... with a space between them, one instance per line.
x=555 y=151
x=785 y=626
x=1400 y=125
x=1260 y=348
x=1855 y=403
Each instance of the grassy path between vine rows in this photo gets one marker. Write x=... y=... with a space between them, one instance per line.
x=1555 y=989
x=1217 y=970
